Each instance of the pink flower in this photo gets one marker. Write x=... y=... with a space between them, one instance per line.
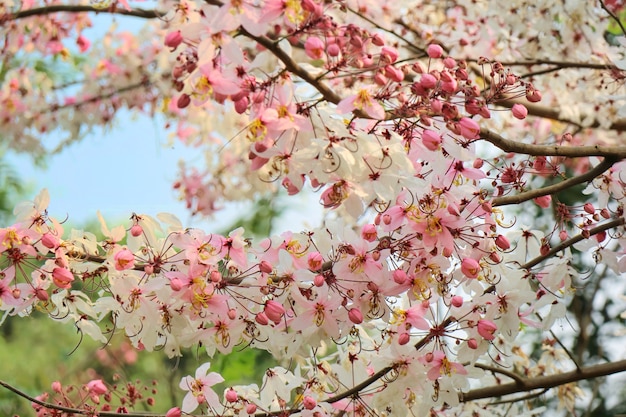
x=470 y=267
x=124 y=259
x=199 y=388
x=314 y=47
x=362 y=101
x=519 y=111
x=440 y=365
x=486 y=328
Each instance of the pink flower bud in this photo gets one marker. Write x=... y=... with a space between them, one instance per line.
x=216 y=276
x=261 y=318
x=400 y=277
x=173 y=412
x=428 y=81
x=309 y=402
x=265 y=267
x=41 y=294
x=601 y=236
x=16 y=293
x=232 y=314
x=355 y=316
x=470 y=267
x=486 y=328
x=251 y=408
x=469 y=128
x=173 y=39
x=274 y=311
x=502 y=242
x=472 y=344
x=543 y=201
x=434 y=51
x=136 y=230
x=431 y=140
x=588 y=207
x=62 y=277
x=319 y=280
x=563 y=235
x=50 y=241
x=533 y=95
x=176 y=284
x=449 y=62
x=56 y=387
x=389 y=54
x=96 y=386
x=231 y=395
x=242 y=105
x=519 y=111
x=403 y=338
x=124 y=259
x=457 y=301
x=333 y=50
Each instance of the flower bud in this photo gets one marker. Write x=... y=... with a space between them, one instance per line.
x=519 y=111
x=261 y=318
x=355 y=316
x=434 y=51
x=486 y=328
x=309 y=402
x=274 y=311
x=62 y=277
x=457 y=301
x=136 y=230
x=173 y=39
x=543 y=201
x=231 y=395
x=502 y=242
x=403 y=338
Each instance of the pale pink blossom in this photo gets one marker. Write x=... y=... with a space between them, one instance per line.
x=199 y=388
x=362 y=101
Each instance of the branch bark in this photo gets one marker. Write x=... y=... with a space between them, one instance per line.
x=507 y=145
x=75 y=8
x=545 y=382
x=555 y=188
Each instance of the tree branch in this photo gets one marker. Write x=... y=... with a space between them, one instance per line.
x=545 y=382
x=554 y=113
x=569 y=242
x=75 y=8
x=507 y=145
x=555 y=188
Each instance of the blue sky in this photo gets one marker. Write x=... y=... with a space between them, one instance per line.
x=129 y=169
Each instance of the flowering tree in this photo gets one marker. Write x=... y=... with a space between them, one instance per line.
x=470 y=159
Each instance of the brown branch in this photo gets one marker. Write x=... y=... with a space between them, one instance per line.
x=545 y=382
x=71 y=8
x=555 y=188
x=559 y=64
x=573 y=240
x=507 y=145
x=515 y=377
x=554 y=113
